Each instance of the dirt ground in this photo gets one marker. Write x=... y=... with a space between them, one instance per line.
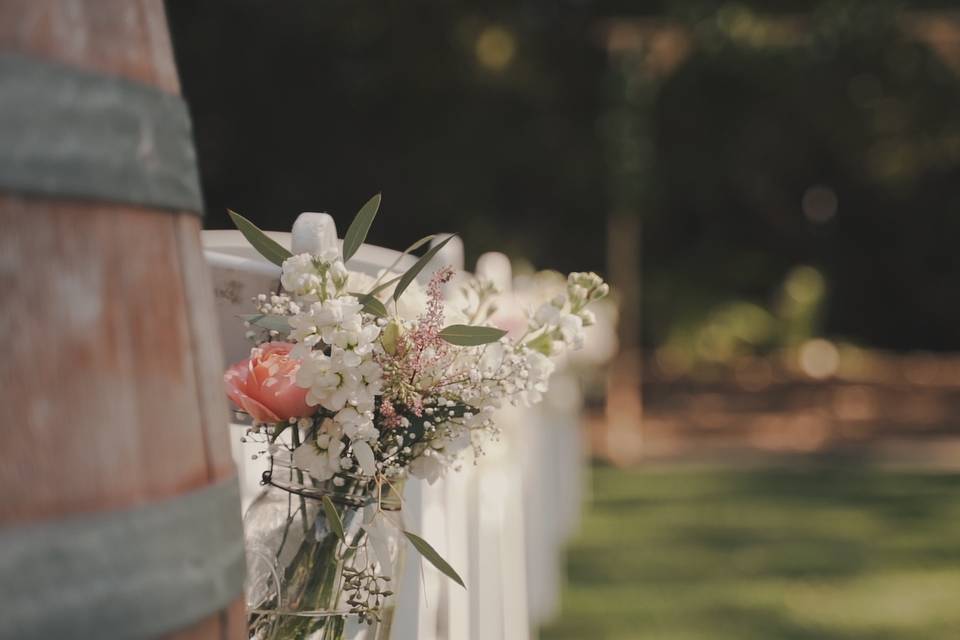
x=891 y=408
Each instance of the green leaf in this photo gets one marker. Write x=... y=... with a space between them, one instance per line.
x=360 y=226
x=416 y=245
x=333 y=517
x=383 y=286
x=433 y=557
x=270 y=323
x=371 y=304
x=415 y=270
x=267 y=247
x=465 y=335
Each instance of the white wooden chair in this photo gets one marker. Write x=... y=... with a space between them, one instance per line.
x=431 y=607
x=498 y=590
x=553 y=475
x=556 y=468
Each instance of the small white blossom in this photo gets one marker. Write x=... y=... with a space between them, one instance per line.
x=321 y=458
x=357 y=425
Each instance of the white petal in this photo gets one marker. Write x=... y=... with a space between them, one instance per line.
x=379 y=540
x=365 y=457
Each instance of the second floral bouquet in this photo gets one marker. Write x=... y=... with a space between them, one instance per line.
x=354 y=383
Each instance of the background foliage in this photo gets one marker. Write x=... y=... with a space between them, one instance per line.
x=489 y=119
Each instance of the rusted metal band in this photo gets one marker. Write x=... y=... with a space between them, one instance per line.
x=131 y=575
x=69 y=133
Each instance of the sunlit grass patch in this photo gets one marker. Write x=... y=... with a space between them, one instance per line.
x=820 y=553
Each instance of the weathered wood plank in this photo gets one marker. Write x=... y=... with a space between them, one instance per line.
x=110 y=379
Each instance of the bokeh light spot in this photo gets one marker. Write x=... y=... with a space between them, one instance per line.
x=805 y=285
x=819 y=358
x=495 y=48
x=819 y=203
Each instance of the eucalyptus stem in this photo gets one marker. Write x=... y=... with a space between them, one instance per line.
x=295 y=437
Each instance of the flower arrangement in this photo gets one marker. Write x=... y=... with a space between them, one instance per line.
x=349 y=392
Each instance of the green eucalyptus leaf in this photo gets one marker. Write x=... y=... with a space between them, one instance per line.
x=433 y=557
x=371 y=304
x=271 y=323
x=415 y=270
x=333 y=517
x=464 y=335
x=416 y=245
x=266 y=246
x=360 y=226
x=383 y=286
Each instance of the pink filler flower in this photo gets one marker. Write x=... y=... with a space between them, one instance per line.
x=264 y=384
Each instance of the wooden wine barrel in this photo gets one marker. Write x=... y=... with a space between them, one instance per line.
x=119 y=508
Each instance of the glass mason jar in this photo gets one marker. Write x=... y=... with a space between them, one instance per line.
x=303 y=580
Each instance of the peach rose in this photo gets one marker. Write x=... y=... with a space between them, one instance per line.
x=264 y=384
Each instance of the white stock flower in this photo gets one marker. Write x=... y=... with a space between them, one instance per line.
x=559 y=323
x=539 y=370
x=339 y=323
x=571 y=328
x=339 y=274
x=300 y=275
x=321 y=459
x=337 y=311
x=548 y=313
x=333 y=381
x=357 y=425
x=589 y=317
x=577 y=292
x=586 y=280
x=355 y=340
x=310 y=277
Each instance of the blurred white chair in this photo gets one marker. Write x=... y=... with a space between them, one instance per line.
x=556 y=466
x=454 y=614
x=442 y=607
x=553 y=476
x=498 y=589
x=552 y=466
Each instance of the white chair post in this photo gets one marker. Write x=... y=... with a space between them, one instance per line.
x=495 y=267
x=451 y=255
x=553 y=476
x=500 y=596
x=239 y=273
x=455 y=614
x=314 y=233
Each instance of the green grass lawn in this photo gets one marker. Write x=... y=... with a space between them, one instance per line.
x=826 y=552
